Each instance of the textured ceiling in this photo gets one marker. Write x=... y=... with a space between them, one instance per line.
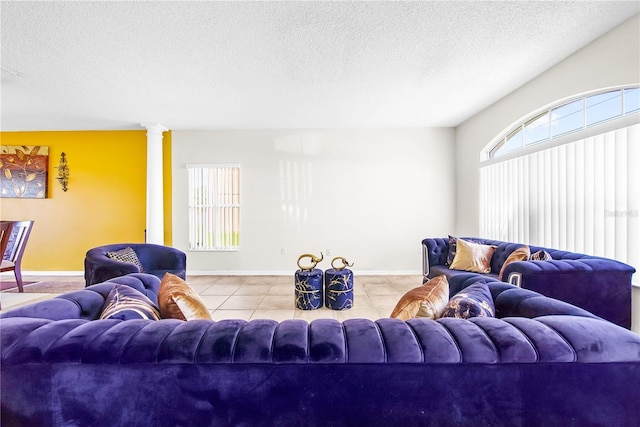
x=208 y=65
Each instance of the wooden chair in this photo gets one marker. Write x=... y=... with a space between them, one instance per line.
x=13 y=249
x=5 y=232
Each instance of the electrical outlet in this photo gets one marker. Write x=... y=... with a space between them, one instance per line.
x=283 y=251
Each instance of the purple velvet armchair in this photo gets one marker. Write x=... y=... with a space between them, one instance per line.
x=155 y=259
x=539 y=362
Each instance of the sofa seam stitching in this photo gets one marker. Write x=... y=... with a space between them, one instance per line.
x=346 y=343
x=573 y=350
x=196 y=351
x=382 y=340
x=454 y=340
x=415 y=336
x=535 y=348
x=491 y=340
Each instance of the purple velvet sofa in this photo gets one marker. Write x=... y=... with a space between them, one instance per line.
x=540 y=362
x=600 y=285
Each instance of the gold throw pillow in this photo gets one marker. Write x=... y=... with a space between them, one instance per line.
x=521 y=254
x=428 y=300
x=474 y=257
x=177 y=300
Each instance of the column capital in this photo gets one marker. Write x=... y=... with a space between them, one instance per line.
x=154 y=128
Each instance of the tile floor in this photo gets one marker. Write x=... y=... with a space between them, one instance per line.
x=267 y=297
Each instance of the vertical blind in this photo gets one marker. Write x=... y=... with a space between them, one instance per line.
x=214 y=207
x=582 y=196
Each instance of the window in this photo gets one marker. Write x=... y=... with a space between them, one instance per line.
x=560 y=120
x=537 y=129
x=631 y=100
x=578 y=193
x=605 y=106
x=214 y=207
x=567 y=118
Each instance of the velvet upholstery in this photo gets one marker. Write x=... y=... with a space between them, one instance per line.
x=155 y=259
x=535 y=367
x=599 y=285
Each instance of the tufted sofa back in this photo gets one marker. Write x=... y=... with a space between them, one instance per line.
x=532 y=328
x=323 y=341
x=437 y=250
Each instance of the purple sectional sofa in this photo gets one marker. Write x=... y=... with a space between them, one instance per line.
x=600 y=285
x=540 y=362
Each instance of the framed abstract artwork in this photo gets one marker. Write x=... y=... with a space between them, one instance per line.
x=23 y=171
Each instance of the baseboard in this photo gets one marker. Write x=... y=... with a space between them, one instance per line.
x=43 y=273
x=291 y=272
x=226 y=273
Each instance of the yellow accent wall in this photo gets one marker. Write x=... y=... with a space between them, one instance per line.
x=105 y=202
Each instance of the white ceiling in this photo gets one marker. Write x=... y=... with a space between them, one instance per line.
x=239 y=65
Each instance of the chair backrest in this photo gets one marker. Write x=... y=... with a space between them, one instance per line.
x=5 y=233
x=17 y=241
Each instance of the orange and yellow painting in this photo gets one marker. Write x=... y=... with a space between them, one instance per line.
x=23 y=171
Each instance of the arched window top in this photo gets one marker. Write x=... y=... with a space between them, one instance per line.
x=566 y=117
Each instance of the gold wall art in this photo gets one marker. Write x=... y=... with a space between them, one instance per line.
x=23 y=171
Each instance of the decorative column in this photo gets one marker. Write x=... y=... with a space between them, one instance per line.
x=155 y=195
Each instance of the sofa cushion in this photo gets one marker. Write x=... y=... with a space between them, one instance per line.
x=520 y=254
x=428 y=300
x=473 y=301
x=125 y=303
x=126 y=255
x=177 y=300
x=473 y=257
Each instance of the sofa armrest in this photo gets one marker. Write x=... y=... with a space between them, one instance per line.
x=87 y=303
x=598 y=285
x=99 y=268
x=157 y=257
x=434 y=252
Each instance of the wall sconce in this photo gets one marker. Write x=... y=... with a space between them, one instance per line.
x=63 y=173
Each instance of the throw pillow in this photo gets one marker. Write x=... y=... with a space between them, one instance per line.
x=472 y=301
x=452 y=249
x=473 y=257
x=177 y=300
x=125 y=303
x=428 y=300
x=520 y=254
x=541 y=255
x=126 y=255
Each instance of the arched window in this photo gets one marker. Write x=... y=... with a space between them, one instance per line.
x=567 y=176
x=566 y=117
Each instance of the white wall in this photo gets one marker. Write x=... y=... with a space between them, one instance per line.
x=368 y=195
x=611 y=60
